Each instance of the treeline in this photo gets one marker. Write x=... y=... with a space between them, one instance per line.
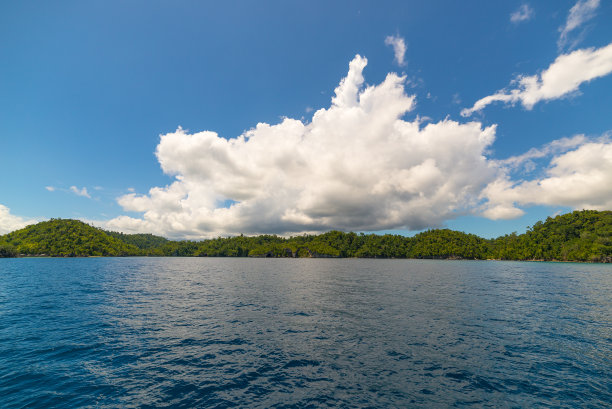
x=579 y=236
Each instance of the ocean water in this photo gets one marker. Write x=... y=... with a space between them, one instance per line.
x=216 y=333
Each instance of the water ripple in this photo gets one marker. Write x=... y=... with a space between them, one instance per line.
x=218 y=333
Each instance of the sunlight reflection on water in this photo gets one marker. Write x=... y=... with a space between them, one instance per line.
x=214 y=332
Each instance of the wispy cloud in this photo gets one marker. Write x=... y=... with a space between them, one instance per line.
x=555 y=147
x=399 y=48
x=50 y=188
x=80 y=192
x=524 y=13
x=580 y=13
x=563 y=77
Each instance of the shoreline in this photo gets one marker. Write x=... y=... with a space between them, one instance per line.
x=332 y=257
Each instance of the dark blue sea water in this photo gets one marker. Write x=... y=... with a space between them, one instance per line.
x=214 y=333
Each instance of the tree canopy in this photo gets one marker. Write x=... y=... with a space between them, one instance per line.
x=578 y=236
x=66 y=238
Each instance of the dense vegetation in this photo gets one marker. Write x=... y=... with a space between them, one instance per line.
x=142 y=241
x=579 y=236
x=66 y=238
x=6 y=250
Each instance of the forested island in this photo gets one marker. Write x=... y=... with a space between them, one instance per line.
x=578 y=236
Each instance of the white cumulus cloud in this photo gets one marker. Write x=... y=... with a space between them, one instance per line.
x=399 y=48
x=524 y=13
x=579 y=175
x=563 y=77
x=580 y=13
x=10 y=222
x=80 y=192
x=356 y=166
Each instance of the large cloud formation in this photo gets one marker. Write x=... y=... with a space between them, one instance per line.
x=9 y=222
x=359 y=165
x=356 y=166
x=578 y=176
x=563 y=77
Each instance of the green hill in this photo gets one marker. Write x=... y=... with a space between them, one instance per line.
x=447 y=244
x=578 y=236
x=66 y=238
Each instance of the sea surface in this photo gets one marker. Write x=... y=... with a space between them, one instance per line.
x=221 y=332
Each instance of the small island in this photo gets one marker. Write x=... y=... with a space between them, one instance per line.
x=584 y=236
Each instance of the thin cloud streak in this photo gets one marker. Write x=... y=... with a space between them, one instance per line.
x=563 y=77
x=580 y=13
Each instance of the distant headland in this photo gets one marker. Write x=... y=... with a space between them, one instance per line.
x=578 y=236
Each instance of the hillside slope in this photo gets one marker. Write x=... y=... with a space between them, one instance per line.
x=578 y=236
x=66 y=238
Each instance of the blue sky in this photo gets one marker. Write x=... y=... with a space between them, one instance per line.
x=92 y=95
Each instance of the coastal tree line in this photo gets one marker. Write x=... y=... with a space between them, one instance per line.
x=578 y=236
